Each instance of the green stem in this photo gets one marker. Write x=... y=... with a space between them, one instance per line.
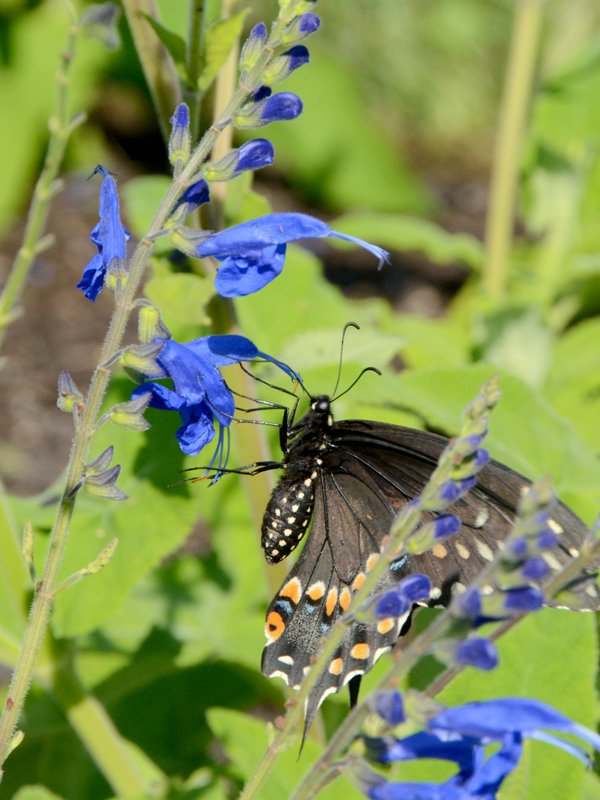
x=194 y=62
x=44 y=592
x=60 y=131
x=517 y=94
x=127 y=774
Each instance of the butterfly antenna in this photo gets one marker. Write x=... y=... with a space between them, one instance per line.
x=353 y=384
x=339 y=375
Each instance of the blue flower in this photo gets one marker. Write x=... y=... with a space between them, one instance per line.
x=109 y=236
x=266 y=108
x=478 y=653
x=199 y=393
x=459 y=735
x=253 y=253
x=398 y=599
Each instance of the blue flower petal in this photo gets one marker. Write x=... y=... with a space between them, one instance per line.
x=162 y=397
x=488 y=779
x=221 y=351
x=238 y=277
x=92 y=279
x=415 y=587
x=197 y=429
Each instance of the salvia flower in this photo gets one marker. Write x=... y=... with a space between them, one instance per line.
x=282 y=66
x=109 y=236
x=448 y=493
x=390 y=707
x=277 y=107
x=199 y=393
x=180 y=140
x=459 y=735
x=300 y=28
x=478 y=653
x=253 y=254
x=253 y=46
x=251 y=155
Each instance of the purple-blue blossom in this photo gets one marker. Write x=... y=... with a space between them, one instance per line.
x=459 y=735
x=253 y=254
x=110 y=237
x=478 y=653
x=266 y=108
x=199 y=393
x=254 y=154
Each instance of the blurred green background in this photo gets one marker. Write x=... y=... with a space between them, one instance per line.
x=396 y=142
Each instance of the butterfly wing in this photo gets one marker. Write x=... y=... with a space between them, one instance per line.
x=367 y=473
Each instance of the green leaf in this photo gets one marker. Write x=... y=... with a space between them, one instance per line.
x=181 y=299
x=172 y=41
x=550 y=656
x=573 y=385
x=220 y=39
x=404 y=233
x=35 y=793
x=526 y=433
x=245 y=742
x=241 y=203
x=322 y=348
x=141 y=197
x=430 y=342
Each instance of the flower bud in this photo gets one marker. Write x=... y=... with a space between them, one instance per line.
x=282 y=66
x=130 y=414
x=416 y=587
x=478 y=653
x=467 y=445
x=117 y=273
x=253 y=46
x=389 y=706
x=151 y=326
x=180 y=141
x=102 y=559
x=100 y=21
x=252 y=155
x=534 y=569
x=104 y=485
x=300 y=28
x=470 y=465
x=142 y=358
x=194 y=196
x=68 y=394
x=28 y=543
x=429 y=533
x=448 y=493
x=391 y=604
x=278 y=107
x=468 y=603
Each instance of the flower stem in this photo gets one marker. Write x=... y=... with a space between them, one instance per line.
x=45 y=189
x=44 y=591
x=517 y=94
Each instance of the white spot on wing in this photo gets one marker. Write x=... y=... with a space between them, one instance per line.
x=286 y=660
x=484 y=550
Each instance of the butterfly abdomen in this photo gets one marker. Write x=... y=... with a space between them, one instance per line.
x=288 y=515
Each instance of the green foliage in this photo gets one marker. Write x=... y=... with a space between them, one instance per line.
x=167 y=637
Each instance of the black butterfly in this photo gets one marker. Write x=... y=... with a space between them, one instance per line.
x=351 y=478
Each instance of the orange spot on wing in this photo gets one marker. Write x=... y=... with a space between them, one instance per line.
x=316 y=591
x=331 y=601
x=274 y=627
x=293 y=590
x=360 y=651
x=371 y=561
x=439 y=550
x=345 y=598
x=359 y=580
x=385 y=625
x=336 y=666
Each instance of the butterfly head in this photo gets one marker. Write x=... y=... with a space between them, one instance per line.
x=321 y=405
